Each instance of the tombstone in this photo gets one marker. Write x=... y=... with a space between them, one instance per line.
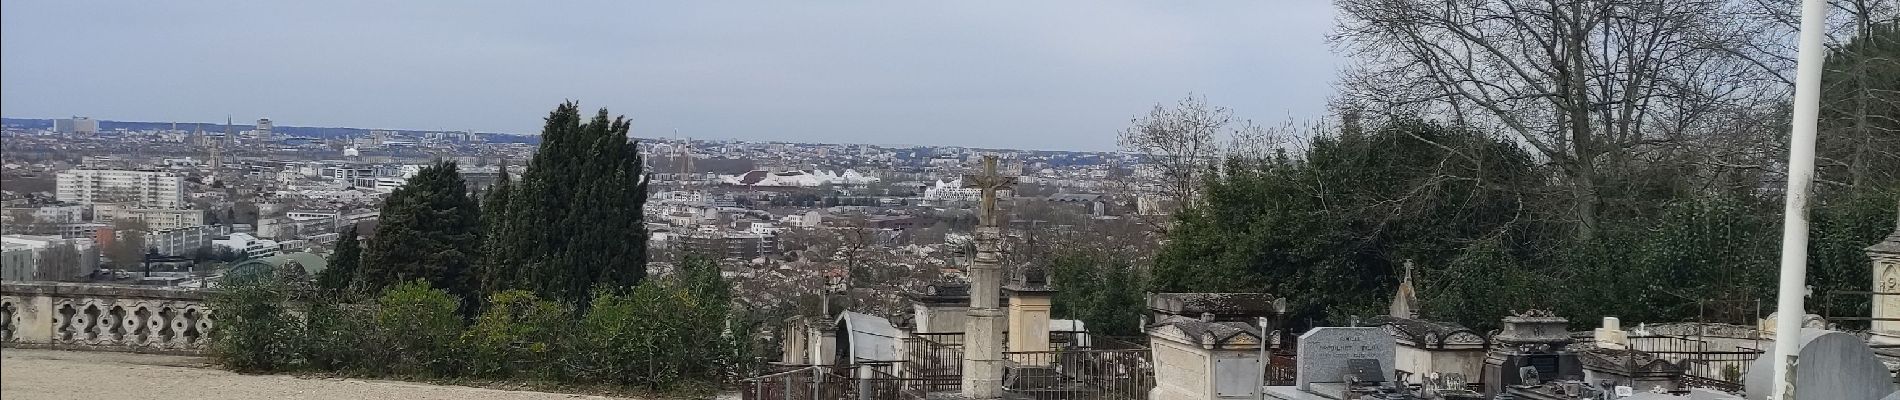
x=1612 y=335
x=943 y=307
x=1537 y=339
x=1455 y=386
x=1633 y=368
x=1204 y=360
x=1327 y=357
x=1886 y=275
x=1833 y=365
x=1029 y=302
x=1428 y=347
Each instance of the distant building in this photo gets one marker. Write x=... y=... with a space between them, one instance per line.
x=798 y=178
x=30 y=258
x=154 y=218
x=80 y=230
x=142 y=189
x=264 y=127
x=53 y=214
x=182 y=241
x=954 y=191
x=380 y=184
x=297 y=265
x=249 y=246
x=81 y=125
x=731 y=245
x=347 y=173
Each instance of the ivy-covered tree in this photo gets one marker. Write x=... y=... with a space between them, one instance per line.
x=342 y=269
x=429 y=229
x=574 y=221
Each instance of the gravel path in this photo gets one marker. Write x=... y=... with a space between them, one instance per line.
x=47 y=374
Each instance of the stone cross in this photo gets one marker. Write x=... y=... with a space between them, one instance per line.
x=983 y=339
x=990 y=182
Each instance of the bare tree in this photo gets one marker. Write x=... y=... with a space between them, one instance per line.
x=23 y=221
x=1585 y=83
x=62 y=262
x=1183 y=142
x=1860 y=101
x=128 y=246
x=1861 y=107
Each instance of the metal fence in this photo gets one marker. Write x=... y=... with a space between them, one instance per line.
x=882 y=381
x=937 y=366
x=1704 y=364
x=1080 y=374
x=803 y=383
x=1281 y=369
x=951 y=338
x=863 y=381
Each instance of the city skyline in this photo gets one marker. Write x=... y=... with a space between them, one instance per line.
x=1041 y=76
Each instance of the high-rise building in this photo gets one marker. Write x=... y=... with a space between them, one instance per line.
x=263 y=127
x=82 y=125
x=139 y=189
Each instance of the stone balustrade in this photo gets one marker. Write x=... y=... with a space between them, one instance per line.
x=75 y=316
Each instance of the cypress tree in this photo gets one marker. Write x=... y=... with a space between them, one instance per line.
x=575 y=219
x=430 y=229
x=343 y=262
x=496 y=275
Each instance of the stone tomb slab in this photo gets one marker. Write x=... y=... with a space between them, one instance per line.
x=1325 y=354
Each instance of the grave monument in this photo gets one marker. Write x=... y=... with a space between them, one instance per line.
x=983 y=339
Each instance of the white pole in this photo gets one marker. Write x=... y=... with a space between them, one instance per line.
x=1794 y=229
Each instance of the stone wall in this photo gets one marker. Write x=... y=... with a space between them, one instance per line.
x=74 y=316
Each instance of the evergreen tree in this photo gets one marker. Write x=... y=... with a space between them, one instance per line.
x=343 y=262
x=574 y=220
x=1330 y=225
x=495 y=272
x=430 y=229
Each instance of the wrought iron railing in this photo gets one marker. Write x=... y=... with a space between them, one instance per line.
x=936 y=366
x=1703 y=364
x=1080 y=374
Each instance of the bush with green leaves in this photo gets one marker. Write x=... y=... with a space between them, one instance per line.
x=337 y=334
x=256 y=332
x=660 y=334
x=519 y=334
x=417 y=331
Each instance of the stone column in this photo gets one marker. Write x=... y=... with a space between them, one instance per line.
x=36 y=319
x=982 y=343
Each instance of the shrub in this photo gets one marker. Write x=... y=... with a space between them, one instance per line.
x=518 y=329
x=255 y=330
x=416 y=328
x=603 y=349
x=337 y=335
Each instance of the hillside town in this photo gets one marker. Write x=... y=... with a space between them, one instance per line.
x=1340 y=200
x=177 y=206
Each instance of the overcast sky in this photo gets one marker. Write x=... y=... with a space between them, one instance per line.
x=1041 y=75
